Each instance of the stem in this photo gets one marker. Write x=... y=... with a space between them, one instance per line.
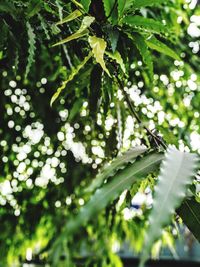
x=128 y=101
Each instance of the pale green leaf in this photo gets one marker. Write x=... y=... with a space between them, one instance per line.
x=32 y=47
x=137 y=4
x=74 y=15
x=118 y=163
x=157 y=45
x=70 y=78
x=176 y=172
x=87 y=21
x=123 y=180
x=98 y=46
x=117 y=57
x=124 y=5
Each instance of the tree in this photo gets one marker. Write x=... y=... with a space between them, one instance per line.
x=109 y=85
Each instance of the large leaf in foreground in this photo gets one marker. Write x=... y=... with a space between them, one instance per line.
x=118 y=163
x=176 y=172
x=110 y=191
x=189 y=211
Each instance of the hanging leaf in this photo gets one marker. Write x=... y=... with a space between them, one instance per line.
x=146 y=24
x=141 y=45
x=98 y=46
x=74 y=15
x=86 y=4
x=157 y=45
x=118 y=163
x=121 y=181
x=189 y=211
x=44 y=26
x=34 y=6
x=176 y=172
x=32 y=48
x=87 y=21
x=113 y=35
x=74 y=72
x=117 y=57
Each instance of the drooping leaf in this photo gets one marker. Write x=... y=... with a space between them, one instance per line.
x=124 y=179
x=75 y=109
x=113 y=35
x=86 y=4
x=74 y=72
x=146 y=24
x=189 y=211
x=32 y=47
x=60 y=9
x=44 y=26
x=34 y=7
x=87 y=21
x=98 y=46
x=141 y=45
x=157 y=45
x=118 y=163
x=74 y=15
x=176 y=172
x=117 y=57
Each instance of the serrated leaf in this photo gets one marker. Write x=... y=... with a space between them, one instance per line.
x=145 y=24
x=110 y=191
x=74 y=15
x=117 y=57
x=137 y=4
x=86 y=4
x=70 y=78
x=142 y=47
x=157 y=45
x=86 y=22
x=176 y=172
x=189 y=211
x=98 y=46
x=32 y=47
x=114 y=166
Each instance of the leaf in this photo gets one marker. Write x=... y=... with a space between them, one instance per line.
x=86 y=4
x=118 y=163
x=98 y=46
x=74 y=15
x=74 y=72
x=137 y=4
x=87 y=21
x=146 y=24
x=123 y=5
x=117 y=57
x=9 y=8
x=32 y=48
x=110 y=191
x=189 y=211
x=157 y=45
x=110 y=7
x=75 y=109
x=44 y=26
x=141 y=45
x=113 y=37
x=34 y=6
x=176 y=172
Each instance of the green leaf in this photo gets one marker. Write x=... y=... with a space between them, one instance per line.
x=75 y=109
x=146 y=24
x=113 y=37
x=118 y=163
x=98 y=46
x=121 y=181
x=34 y=7
x=74 y=15
x=176 y=172
x=117 y=57
x=141 y=45
x=86 y=4
x=87 y=21
x=157 y=45
x=32 y=48
x=189 y=211
x=8 y=7
x=137 y=4
x=110 y=7
x=123 y=5
x=74 y=72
